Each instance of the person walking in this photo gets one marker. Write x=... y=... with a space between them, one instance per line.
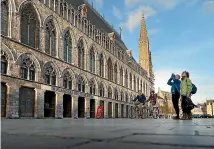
x=175 y=82
x=186 y=89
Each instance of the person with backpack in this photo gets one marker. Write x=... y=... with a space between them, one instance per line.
x=140 y=102
x=186 y=92
x=175 y=82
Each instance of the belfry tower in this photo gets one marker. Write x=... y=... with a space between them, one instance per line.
x=145 y=56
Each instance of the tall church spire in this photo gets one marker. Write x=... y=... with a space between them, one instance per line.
x=143 y=47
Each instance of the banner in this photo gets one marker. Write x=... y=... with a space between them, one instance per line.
x=99 y=111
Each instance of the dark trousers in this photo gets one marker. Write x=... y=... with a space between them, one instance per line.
x=184 y=104
x=175 y=101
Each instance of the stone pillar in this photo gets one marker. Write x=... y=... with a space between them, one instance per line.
x=59 y=105
x=113 y=109
x=119 y=110
x=15 y=27
x=42 y=39
x=13 y=101
x=40 y=97
x=75 y=107
x=106 y=109
x=87 y=107
x=97 y=103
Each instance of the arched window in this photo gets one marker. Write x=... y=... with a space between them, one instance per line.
x=4 y=63
x=121 y=96
x=81 y=54
x=137 y=84
x=50 y=74
x=101 y=65
x=144 y=88
x=116 y=94
x=126 y=79
x=92 y=87
x=127 y=97
x=81 y=84
x=27 y=68
x=110 y=70
x=121 y=76
x=141 y=86
x=67 y=80
x=92 y=60
x=109 y=93
x=57 y=6
x=61 y=9
x=4 y=17
x=29 y=26
x=134 y=84
x=102 y=91
x=130 y=80
x=50 y=38
x=115 y=73
x=67 y=47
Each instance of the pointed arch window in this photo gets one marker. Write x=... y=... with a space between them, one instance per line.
x=130 y=81
x=50 y=74
x=121 y=76
x=137 y=84
x=102 y=91
x=4 y=63
x=4 y=17
x=81 y=84
x=29 y=26
x=50 y=38
x=57 y=6
x=92 y=60
x=101 y=65
x=67 y=47
x=116 y=94
x=81 y=54
x=144 y=90
x=110 y=70
x=115 y=73
x=134 y=83
x=27 y=68
x=92 y=87
x=61 y=8
x=121 y=96
x=109 y=93
x=141 y=86
x=67 y=80
x=126 y=79
x=127 y=97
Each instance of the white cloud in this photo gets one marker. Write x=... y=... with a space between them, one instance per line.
x=153 y=31
x=168 y=4
x=134 y=17
x=131 y=2
x=208 y=6
x=99 y=3
x=117 y=13
x=204 y=90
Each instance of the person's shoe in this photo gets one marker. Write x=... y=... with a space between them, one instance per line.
x=189 y=116
x=176 y=118
x=184 y=116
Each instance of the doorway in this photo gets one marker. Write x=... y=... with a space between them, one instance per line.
x=49 y=104
x=122 y=110
x=102 y=104
x=81 y=107
x=67 y=104
x=92 y=108
x=3 y=99
x=127 y=111
x=116 y=110
x=26 y=102
x=110 y=110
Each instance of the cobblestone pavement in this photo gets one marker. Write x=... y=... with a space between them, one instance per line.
x=107 y=134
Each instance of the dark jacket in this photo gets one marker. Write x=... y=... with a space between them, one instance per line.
x=140 y=98
x=174 y=83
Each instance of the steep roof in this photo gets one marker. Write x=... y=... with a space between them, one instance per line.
x=96 y=19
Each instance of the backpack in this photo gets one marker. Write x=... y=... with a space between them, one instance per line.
x=194 y=89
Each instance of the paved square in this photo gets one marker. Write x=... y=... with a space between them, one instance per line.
x=107 y=133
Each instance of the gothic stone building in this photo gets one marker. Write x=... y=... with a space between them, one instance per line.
x=61 y=58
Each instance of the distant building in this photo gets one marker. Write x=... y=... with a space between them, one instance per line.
x=210 y=107
x=201 y=109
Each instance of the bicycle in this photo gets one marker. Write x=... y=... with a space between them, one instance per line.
x=141 y=113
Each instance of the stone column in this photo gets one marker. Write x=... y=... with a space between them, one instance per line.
x=42 y=39
x=105 y=109
x=13 y=100
x=40 y=97
x=113 y=109
x=59 y=105
x=119 y=110
x=15 y=27
x=87 y=107
x=75 y=107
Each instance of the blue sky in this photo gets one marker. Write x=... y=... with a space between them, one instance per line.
x=181 y=34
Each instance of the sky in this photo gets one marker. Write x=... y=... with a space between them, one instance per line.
x=181 y=36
